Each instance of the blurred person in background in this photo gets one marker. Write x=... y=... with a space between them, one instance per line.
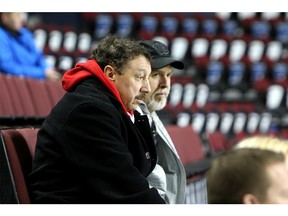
x=19 y=55
x=248 y=176
x=264 y=142
x=88 y=149
x=272 y=143
x=169 y=175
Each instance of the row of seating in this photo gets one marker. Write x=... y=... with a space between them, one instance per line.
x=170 y=25
x=233 y=122
x=25 y=100
x=64 y=62
x=192 y=97
x=69 y=43
x=17 y=147
x=199 y=52
x=63 y=41
x=215 y=61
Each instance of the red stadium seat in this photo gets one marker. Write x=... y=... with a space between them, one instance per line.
x=190 y=149
x=217 y=142
x=55 y=91
x=6 y=103
x=20 y=163
x=17 y=147
x=30 y=136
x=40 y=97
x=30 y=113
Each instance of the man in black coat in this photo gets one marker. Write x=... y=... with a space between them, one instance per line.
x=88 y=150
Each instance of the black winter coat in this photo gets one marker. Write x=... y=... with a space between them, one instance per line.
x=89 y=151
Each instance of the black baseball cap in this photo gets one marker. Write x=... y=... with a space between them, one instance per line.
x=160 y=55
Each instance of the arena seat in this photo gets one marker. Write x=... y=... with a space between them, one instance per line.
x=55 y=91
x=6 y=103
x=69 y=41
x=148 y=27
x=260 y=30
x=175 y=96
x=189 y=28
x=20 y=164
x=179 y=47
x=281 y=32
x=259 y=76
x=65 y=62
x=54 y=41
x=51 y=60
x=226 y=122
x=237 y=74
x=41 y=36
x=183 y=119
x=253 y=120
x=275 y=96
x=270 y=16
x=30 y=137
x=190 y=149
x=246 y=18
x=217 y=142
x=239 y=123
x=218 y=49
x=255 y=51
x=229 y=29
x=199 y=51
x=198 y=122
x=202 y=95
x=189 y=95
x=237 y=50
x=103 y=25
x=265 y=122
x=209 y=28
x=279 y=73
x=84 y=43
x=40 y=97
x=212 y=122
x=273 y=52
x=169 y=27
x=124 y=25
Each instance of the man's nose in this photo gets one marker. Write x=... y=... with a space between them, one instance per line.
x=146 y=86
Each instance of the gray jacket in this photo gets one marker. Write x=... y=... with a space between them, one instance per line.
x=169 y=161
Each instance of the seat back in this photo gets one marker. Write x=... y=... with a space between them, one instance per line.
x=18 y=145
x=30 y=136
x=14 y=95
x=6 y=103
x=19 y=163
x=237 y=50
x=24 y=96
x=55 y=90
x=40 y=96
x=217 y=142
x=124 y=25
x=187 y=143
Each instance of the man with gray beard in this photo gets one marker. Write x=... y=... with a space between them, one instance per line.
x=169 y=175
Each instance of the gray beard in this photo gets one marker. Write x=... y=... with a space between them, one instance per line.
x=156 y=105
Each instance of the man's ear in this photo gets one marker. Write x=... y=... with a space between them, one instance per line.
x=110 y=72
x=250 y=199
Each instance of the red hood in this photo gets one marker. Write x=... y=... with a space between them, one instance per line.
x=86 y=69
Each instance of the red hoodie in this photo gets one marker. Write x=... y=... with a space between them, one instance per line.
x=86 y=69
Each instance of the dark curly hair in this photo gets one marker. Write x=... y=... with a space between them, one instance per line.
x=117 y=52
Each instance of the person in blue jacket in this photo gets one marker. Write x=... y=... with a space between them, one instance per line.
x=19 y=55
